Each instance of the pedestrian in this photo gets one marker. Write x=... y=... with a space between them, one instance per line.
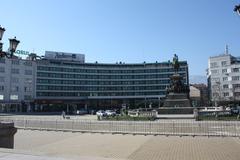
x=63 y=114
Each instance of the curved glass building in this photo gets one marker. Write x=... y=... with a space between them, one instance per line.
x=98 y=85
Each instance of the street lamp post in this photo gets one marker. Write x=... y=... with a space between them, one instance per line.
x=1 y=35
x=13 y=43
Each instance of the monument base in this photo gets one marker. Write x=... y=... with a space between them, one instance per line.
x=177 y=100
x=175 y=110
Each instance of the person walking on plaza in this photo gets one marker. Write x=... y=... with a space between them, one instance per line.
x=63 y=114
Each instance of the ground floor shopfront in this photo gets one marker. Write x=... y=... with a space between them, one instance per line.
x=71 y=106
x=16 y=106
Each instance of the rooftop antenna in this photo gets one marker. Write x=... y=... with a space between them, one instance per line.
x=226 y=50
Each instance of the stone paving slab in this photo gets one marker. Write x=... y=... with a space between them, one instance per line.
x=187 y=148
x=129 y=147
x=13 y=156
x=78 y=144
x=6 y=154
x=18 y=156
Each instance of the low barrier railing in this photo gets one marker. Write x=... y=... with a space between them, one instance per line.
x=161 y=127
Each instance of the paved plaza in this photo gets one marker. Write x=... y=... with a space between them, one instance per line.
x=66 y=145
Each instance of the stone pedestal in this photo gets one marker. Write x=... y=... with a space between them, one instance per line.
x=7 y=131
x=177 y=100
x=175 y=110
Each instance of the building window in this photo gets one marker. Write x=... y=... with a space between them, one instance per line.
x=235 y=86
x=27 y=97
x=14 y=89
x=224 y=63
x=1 y=88
x=14 y=80
x=1 y=97
x=225 y=78
x=28 y=72
x=235 y=78
x=2 y=79
x=213 y=65
x=214 y=71
x=225 y=94
x=225 y=86
x=27 y=89
x=215 y=87
x=28 y=80
x=215 y=79
x=16 y=62
x=15 y=71
x=224 y=71
x=237 y=94
x=215 y=94
x=14 y=97
x=28 y=63
x=2 y=69
x=235 y=69
x=2 y=60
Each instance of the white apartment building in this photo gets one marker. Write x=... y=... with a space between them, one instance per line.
x=224 y=78
x=17 y=84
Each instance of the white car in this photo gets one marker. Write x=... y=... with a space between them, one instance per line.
x=101 y=113
x=228 y=109
x=110 y=113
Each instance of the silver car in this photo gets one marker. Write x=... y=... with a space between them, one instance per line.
x=101 y=113
x=110 y=113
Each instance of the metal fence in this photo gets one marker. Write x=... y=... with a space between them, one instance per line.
x=161 y=127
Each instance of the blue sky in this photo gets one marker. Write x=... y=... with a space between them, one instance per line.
x=130 y=31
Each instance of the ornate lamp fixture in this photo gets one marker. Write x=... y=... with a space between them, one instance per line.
x=13 y=43
x=237 y=9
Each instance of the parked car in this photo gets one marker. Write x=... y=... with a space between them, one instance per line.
x=110 y=113
x=81 y=111
x=101 y=113
x=228 y=109
x=235 y=110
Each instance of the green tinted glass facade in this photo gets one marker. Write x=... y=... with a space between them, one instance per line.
x=93 y=81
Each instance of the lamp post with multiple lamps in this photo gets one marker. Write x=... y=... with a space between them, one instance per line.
x=8 y=54
x=12 y=48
